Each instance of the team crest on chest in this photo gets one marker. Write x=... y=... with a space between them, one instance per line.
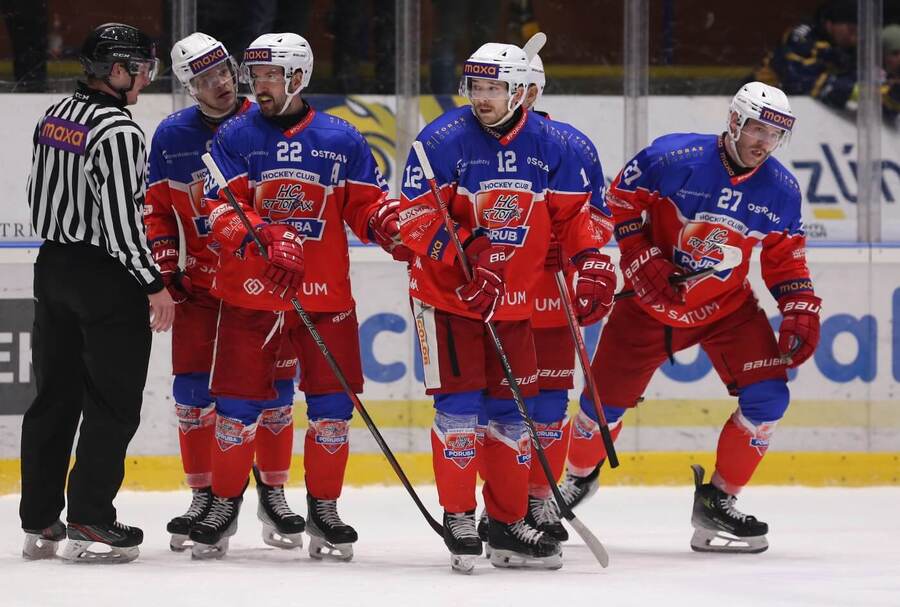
x=502 y=208
x=697 y=248
x=294 y=197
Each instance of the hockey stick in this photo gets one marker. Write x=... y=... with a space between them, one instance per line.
x=589 y=538
x=731 y=258
x=585 y=362
x=314 y=333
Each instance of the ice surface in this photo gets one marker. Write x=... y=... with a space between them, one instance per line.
x=829 y=547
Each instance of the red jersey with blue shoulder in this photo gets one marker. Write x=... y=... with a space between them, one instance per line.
x=175 y=177
x=515 y=188
x=548 y=310
x=316 y=176
x=694 y=199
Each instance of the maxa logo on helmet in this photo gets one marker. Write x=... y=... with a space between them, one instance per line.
x=776 y=118
x=480 y=70
x=258 y=54
x=207 y=60
x=64 y=135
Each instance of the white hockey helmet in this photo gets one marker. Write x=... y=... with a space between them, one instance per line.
x=290 y=51
x=765 y=103
x=538 y=77
x=197 y=53
x=501 y=62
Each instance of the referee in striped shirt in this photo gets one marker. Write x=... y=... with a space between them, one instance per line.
x=97 y=296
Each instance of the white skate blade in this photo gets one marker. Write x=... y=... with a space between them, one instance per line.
x=79 y=551
x=487 y=550
x=286 y=541
x=180 y=543
x=321 y=549
x=709 y=540
x=38 y=547
x=203 y=552
x=507 y=559
x=463 y=563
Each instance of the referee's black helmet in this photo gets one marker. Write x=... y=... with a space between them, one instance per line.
x=112 y=43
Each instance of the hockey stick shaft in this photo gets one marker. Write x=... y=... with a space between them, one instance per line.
x=594 y=544
x=585 y=363
x=323 y=348
x=732 y=257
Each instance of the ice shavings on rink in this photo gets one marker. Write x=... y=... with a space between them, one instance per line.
x=829 y=547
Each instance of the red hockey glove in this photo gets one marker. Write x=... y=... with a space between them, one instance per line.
x=384 y=228
x=165 y=254
x=554 y=262
x=799 y=328
x=650 y=273
x=595 y=286
x=486 y=288
x=285 y=254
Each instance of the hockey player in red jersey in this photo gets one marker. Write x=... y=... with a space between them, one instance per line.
x=299 y=176
x=174 y=218
x=697 y=191
x=553 y=341
x=510 y=181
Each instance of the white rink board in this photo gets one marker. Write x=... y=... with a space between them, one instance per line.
x=822 y=153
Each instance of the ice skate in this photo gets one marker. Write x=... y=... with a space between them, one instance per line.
x=576 y=489
x=462 y=539
x=282 y=527
x=210 y=534
x=543 y=515
x=119 y=543
x=43 y=543
x=718 y=526
x=519 y=545
x=180 y=526
x=329 y=536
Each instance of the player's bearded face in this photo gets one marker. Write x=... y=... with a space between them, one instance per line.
x=757 y=141
x=268 y=85
x=216 y=88
x=489 y=99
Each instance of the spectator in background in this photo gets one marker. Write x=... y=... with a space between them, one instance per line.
x=450 y=20
x=890 y=88
x=817 y=59
x=26 y=23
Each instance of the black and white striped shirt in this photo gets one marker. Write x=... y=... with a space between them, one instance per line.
x=87 y=180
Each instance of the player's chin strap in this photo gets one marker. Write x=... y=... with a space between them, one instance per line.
x=290 y=96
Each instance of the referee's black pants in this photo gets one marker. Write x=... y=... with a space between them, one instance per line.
x=90 y=351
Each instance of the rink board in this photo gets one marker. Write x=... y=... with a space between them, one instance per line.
x=845 y=401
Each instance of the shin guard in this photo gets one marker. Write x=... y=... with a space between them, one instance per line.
x=325 y=452
x=196 y=428
x=742 y=445
x=507 y=457
x=554 y=439
x=454 y=455
x=274 y=444
x=233 y=457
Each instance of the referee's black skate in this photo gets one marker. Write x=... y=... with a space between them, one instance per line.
x=180 y=526
x=119 y=542
x=329 y=536
x=543 y=514
x=519 y=545
x=462 y=539
x=210 y=534
x=43 y=543
x=576 y=489
x=282 y=527
x=718 y=526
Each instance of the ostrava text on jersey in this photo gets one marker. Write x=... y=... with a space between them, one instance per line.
x=514 y=189
x=176 y=177
x=548 y=310
x=315 y=176
x=694 y=200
